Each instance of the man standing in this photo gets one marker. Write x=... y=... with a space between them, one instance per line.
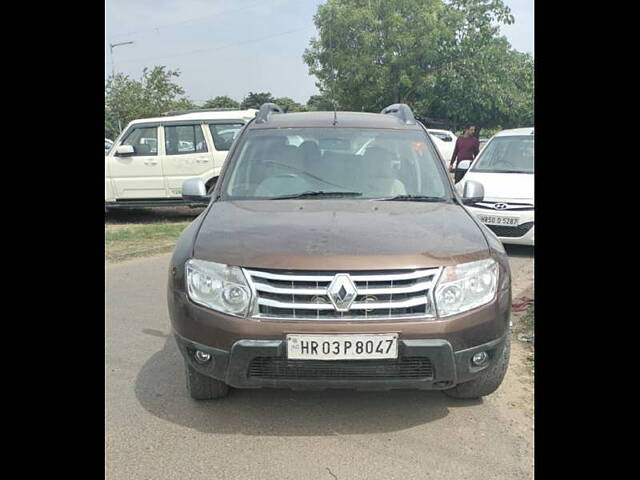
x=467 y=147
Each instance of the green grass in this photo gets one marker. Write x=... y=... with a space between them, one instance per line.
x=140 y=240
x=528 y=320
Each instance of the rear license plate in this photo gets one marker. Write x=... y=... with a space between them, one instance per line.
x=496 y=220
x=342 y=347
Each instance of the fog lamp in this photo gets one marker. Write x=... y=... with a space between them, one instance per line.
x=202 y=357
x=479 y=358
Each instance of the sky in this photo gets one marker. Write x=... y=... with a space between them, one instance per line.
x=231 y=47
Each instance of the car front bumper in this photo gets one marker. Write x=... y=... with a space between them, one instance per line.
x=510 y=235
x=234 y=367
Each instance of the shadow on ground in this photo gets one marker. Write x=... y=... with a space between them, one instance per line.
x=152 y=215
x=524 y=251
x=160 y=389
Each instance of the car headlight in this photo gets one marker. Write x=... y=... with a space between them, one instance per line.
x=466 y=286
x=217 y=286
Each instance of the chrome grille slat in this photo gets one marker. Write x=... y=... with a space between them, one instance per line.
x=381 y=295
x=328 y=278
x=416 y=287
x=354 y=306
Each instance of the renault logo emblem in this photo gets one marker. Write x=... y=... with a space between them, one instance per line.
x=500 y=206
x=342 y=292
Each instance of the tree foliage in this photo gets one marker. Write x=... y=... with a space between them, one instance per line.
x=254 y=100
x=290 y=105
x=221 y=102
x=446 y=59
x=319 y=102
x=127 y=99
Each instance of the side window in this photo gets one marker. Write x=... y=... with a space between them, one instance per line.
x=224 y=133
x=144 y=141
x=183 y=139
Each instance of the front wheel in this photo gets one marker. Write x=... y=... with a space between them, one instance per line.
x=201 y=387
x=487 y=381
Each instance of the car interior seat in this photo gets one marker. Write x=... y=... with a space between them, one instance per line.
x=379 y=178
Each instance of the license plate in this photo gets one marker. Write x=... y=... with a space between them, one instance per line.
x=342 y=347
x=496 y=220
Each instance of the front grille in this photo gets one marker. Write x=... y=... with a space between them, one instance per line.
x=275 y=367
x=504 y=231
x=380 y=294
x=509 y=206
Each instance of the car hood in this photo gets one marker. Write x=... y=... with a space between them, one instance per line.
x=503 y=186
x=338 y=234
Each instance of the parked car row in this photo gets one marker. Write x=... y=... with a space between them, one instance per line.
x=151 y=159
x=334 y=251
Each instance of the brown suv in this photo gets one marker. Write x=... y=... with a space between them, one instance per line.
x=335 y=253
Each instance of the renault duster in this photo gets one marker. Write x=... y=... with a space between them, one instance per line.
x=334 y=252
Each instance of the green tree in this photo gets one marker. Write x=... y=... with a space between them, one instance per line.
x=319 y=102
x=432 y=54
x=127 y=99
x=290 y=105
x=255 y=100
x=221 y=102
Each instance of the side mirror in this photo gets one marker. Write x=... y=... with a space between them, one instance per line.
x=124 y=150
x=193 y=190
x=473 y=192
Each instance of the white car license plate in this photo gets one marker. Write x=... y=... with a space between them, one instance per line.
x=342 y=347
x=496 y=220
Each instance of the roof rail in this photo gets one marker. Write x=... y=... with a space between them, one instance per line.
x=198 y=110
x=267 y=109
x=402 y=111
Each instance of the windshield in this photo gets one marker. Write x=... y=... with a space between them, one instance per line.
x=360 y=163
x=513 y=154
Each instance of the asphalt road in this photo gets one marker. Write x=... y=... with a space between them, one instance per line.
x=155 y=431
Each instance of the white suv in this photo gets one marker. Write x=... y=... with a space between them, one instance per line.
x=152 y=157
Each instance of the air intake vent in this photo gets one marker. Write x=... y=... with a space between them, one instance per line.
x=407 y=367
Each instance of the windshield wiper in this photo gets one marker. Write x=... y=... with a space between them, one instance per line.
x=319 y=193
x=413 y=198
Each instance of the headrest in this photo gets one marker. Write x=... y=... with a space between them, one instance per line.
x=310 y=149
x=289 y=155
x=378 y=162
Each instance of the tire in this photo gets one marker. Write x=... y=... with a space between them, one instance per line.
x=487 y=381
x=201 y=387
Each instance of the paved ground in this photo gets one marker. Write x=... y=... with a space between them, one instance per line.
x=155 y=431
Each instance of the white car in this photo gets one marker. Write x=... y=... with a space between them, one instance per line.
x=505 y=168
x=152 y=157
x=107 y=145
x=445 y=140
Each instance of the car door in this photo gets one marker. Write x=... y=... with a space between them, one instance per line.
x=139 y=174
x=223 y=133
x=186 y=155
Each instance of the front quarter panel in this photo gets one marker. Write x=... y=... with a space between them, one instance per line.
x=182 y=252
x=496 y=251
